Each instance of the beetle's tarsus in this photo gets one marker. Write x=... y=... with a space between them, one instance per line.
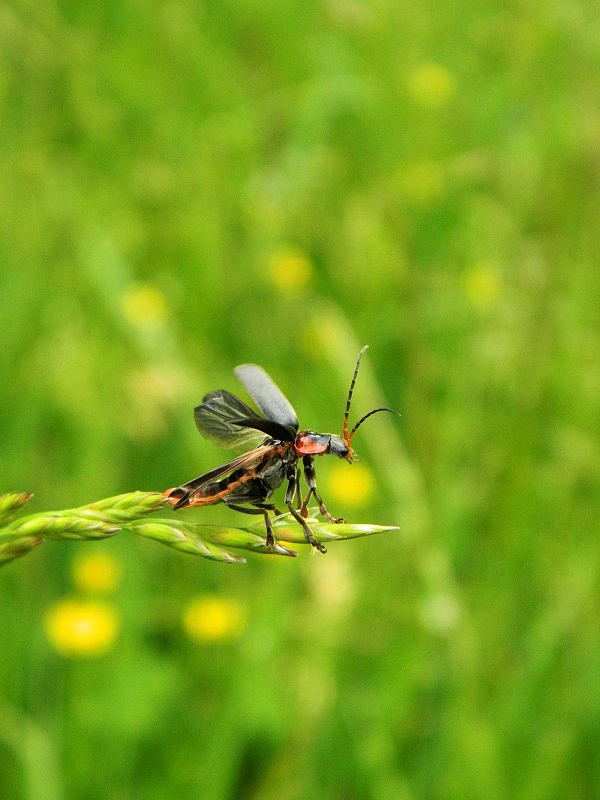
x=311 y=538
x=330 y=518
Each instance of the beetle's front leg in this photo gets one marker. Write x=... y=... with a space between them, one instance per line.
x=289 y=499
x=309 y=474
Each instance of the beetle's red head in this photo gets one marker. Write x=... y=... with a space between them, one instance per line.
x=347 y=437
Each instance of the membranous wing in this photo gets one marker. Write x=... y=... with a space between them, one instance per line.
x=227 y=421
x=267 y=396
x=222 y=418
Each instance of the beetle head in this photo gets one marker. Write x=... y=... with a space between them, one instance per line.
x=339 y=448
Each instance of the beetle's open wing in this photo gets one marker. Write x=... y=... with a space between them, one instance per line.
x=218 y=418
x=267 y=395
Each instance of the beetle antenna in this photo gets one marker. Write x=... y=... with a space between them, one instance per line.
x=366 y=416
x=347 y=412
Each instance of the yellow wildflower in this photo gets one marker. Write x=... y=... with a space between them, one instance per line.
x=210 y=618
x=482 y=285
x=96 y=572
x=432 y=85
x=290 y=270
x=82 y=629
x=348 y=486
x=143 y=305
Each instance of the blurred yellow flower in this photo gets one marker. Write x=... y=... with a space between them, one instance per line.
x=350 y=486
x=97 y=572
x=482 y=285
x=143 y=305
x=290 y=270
x=432 y=85
x=210 y=618
x=423 y=182
x=82 y=629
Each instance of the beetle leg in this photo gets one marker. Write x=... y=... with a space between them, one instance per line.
x=309 y=475
x=307 y=461
x=289 y=497
x=304 y=509
x=270 y=507
x=263 y=508
x=298 y=491
x=270 y=534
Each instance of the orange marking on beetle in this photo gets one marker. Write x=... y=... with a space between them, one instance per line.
x=172 y=501
x=306 y=445
x=212 y=499
x=258 y=458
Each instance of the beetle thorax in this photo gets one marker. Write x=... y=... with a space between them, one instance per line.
x=309 y=443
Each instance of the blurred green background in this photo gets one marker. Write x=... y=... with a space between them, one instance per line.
x=185 y=186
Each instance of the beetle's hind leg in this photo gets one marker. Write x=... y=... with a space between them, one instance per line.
x=270 y=507
x=261 y=508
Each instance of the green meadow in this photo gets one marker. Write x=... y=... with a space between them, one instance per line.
x=187 y=186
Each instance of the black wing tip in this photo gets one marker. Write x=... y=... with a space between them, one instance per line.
x=274 y=429
x=178 y=494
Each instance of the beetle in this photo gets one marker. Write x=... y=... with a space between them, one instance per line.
x=247 y=482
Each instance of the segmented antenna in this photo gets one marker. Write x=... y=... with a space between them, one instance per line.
x=347 y=412
x=366 y=416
